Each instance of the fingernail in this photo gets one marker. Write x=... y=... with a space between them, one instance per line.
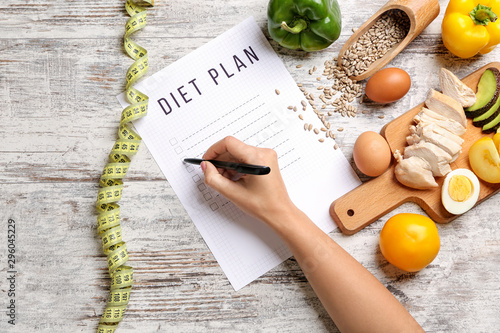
x=203 y=166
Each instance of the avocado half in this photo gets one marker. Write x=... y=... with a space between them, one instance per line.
x=493 y=125
x=487 y=116
x=488 y=92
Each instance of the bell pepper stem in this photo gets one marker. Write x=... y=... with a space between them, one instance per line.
x=482 y=15
x=299 y=26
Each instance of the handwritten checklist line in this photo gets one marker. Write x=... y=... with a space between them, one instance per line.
x=252 y=122
x=248 y=113
x=269 y=138
x=258 y=132
x=288 y=152
x=220 y=118
x=292 y=162
x=204 y=140
x=281 y=143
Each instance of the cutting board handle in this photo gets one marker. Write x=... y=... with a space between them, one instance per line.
x=368 y=202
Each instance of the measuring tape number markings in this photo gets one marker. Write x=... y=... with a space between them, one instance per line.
x=111 y=183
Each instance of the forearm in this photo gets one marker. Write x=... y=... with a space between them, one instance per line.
x=354 y=298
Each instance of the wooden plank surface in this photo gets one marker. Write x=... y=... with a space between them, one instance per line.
x=61 y=66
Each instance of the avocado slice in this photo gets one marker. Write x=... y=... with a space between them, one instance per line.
x=493 y=125
x=488 y=90
x=488 y=116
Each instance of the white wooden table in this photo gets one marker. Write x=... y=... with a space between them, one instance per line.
x=61 y=66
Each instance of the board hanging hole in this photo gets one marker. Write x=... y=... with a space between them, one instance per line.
x=350 y=212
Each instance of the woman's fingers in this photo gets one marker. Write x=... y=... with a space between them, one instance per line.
x=216 y=180
x=229 y=145
x=263 y=197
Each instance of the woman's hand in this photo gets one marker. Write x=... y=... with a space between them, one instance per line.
x=264 y=196
x=354 y=298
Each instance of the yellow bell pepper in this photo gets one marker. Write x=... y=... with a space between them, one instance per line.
x=470 y=27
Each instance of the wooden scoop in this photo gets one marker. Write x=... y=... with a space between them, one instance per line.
x=420 y=12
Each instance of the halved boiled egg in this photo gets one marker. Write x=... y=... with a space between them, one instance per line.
x=460 y=191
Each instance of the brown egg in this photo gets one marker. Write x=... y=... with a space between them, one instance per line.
x=388 y=85
x=371 y=154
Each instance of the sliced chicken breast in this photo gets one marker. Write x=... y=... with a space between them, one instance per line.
x=414 y=172
x=444 y=132
x=456 y=89
x=438 y=159
x=427 y=116
x=446 y=106
x=431 y=133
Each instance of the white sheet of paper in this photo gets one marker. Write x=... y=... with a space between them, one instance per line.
x=227 y=87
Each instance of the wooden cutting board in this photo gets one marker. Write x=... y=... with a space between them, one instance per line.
x=378 y=196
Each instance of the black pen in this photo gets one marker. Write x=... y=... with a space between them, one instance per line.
x=249 y=169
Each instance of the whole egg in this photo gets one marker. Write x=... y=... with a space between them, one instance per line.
x=388 y=85
x=371 y=154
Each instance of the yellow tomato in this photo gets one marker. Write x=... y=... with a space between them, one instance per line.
x=496 y=140
x=409 y=241
x=484 y=159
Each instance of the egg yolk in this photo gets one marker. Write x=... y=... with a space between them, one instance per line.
x=459 y=188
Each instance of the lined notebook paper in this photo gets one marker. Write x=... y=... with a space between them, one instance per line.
x=228 y=87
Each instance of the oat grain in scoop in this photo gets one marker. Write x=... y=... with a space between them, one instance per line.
x=390 y=29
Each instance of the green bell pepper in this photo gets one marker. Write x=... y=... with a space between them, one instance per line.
x=310 y=25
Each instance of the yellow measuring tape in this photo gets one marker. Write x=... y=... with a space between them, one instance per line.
x=111 y=184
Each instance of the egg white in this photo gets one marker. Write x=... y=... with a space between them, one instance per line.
x=456 y=207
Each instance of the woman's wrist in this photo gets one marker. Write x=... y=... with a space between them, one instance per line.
x=284 y=218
